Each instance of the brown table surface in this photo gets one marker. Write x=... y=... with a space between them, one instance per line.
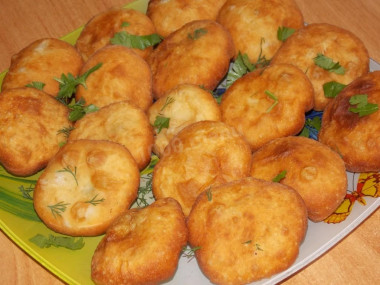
x=354 y=260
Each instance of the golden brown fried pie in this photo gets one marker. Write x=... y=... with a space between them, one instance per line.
x=356 y=138
x=168 y=16
x=246 y=230
x=202 y=155
x=268 y=103
x=315 y=171
x=253 y=24
x=119 y=122
x=97 y=33
x=338 y=45
x=43 y=61
x=142 y=246
x=198 y=53
x=85 y=187
x=181 y=106
x=123 y=76
x=30 y=124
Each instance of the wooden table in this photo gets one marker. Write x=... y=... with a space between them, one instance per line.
x=354 y=260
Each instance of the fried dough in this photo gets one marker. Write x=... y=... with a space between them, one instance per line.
x=253 y=24
x=315 y=171
x=246 y=230
x=99 y=30
x=249 y=104
x=30 y=121
x=340 y=45
x=198 y=53
x=119 y=122
x=43 y=61
x=85 y=187
x=183 y=105
x=355 y=138
x=202 y=155
x=169 y=16
x=123 y=76
x=142 y=246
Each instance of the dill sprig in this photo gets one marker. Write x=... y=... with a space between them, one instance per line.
x=189 y=252
x=144 y=191
x=26 y=191
x=73 y=173
x=95 y=201
x=58 y=208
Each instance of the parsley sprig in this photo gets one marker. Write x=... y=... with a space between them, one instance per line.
x=328 y=64
x=36 y=84
x=332 y=89
x=197 y=34
x=242 y=65
x=284 y=32
x=363 y=108
x=280 y=176
x=314 y=123
x=161 y=121
x=134 y=41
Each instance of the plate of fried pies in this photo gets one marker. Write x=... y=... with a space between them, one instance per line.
x=147 y=148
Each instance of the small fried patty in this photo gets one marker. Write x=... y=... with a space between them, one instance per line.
x=253 y=24
x=142 y=246
x=119 y=122
x=246 y=230
x=268 y=103
x=43 y=61
x=169 y=16
x=198 y=53
x=181 y=106
x=99 y=31
x=355 y=138
x=339 y=45
x=123 y=76
x=30 y=121
x=85 y=187
x=315 y=171
x=202 y=155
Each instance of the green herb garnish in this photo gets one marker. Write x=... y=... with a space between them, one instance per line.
x=161 y=121
x=36 y=84
x=258 y=247
x=144 y=191
x=280 y=176
x=363 y=108
x=133 y=41
x=26 y=191
x=73 y=173
x=284 y=32
x=242 y=65
x=95 y=201
x=209 y=194
x=58 y=208
x=68 y=84
x=312 y=123
x=57 y=241
x=197 y=34
x=125 y=24
x=247 y=242
x=78 y=109
x=189 y=252
x=332 y=89
x=328 y=64
x=272 y=96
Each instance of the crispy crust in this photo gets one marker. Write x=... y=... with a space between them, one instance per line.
x=250 y=22
x=245 y=105
x=42 y=61
x=119 y=122
x=334 y=42
x=29 y=123
x=247 y=230
x=315 y=171
x=198 y=53
x=165 y=14
x=190 y=104
x=101 y=171
x=142 y=246
x=202 y=155
x=123 y=76
x=98 y=31
x=356 y=139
